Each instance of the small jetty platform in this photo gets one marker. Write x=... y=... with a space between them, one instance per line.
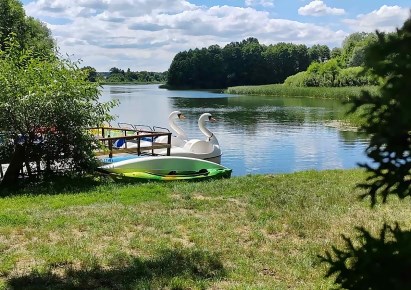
x=120 y=140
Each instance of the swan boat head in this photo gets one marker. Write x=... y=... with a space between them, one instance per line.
x=207 y=117
x=181 y=137
x=174 y=116
x=208 y=148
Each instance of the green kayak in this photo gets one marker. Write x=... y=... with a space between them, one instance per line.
x=166 y=168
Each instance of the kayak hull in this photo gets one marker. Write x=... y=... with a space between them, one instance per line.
x=167 y=168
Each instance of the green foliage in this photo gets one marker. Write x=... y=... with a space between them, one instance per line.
x=29 y=33
x=298 y=80
x=354 y=46
x=388 y=116
x=383 y=262
x=238 y=63
x=91 y=73
x=250 y=63
x=319 y=53
x=355 y=76
x=342 y=93
x=46 y=103
x=120 y=76
x=330 y=74
x=285 y=59
x=336 y=52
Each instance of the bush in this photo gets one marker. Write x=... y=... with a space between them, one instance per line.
x=46 y=104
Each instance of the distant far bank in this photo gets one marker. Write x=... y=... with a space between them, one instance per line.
x=118 y=76
x=130 y=83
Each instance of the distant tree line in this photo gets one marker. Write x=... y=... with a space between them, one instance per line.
x=241 y=63
x=116 y=75
x=250 y=63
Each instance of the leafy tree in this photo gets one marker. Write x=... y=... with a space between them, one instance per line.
x=45 y=108
x=355 y=76
x=353 y=48
x=319 y=53
x=29 y=33
x=238 y=63
x=383 y=262
x=115 y=70
x=91 y=73
x=233 y=59
x=330 y=70
x=285 y=59
x=38 y=37
x=336 y=52
x=11 y=21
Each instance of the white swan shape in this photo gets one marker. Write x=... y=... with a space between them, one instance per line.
x=204 y=146
x=208 y=149
x=181 y=138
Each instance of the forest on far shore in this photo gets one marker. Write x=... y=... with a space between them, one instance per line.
x=250 y=63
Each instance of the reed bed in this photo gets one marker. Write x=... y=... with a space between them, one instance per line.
x=341 y=93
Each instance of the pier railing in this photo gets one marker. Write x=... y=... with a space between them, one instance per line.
x=119 y=140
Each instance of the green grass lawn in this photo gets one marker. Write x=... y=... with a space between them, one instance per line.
x=251 y=232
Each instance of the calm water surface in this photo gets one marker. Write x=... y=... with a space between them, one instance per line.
x=257 y=134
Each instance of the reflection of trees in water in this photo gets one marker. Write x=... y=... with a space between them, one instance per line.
x=352 y=137
x=249 y=111
x=198 y=103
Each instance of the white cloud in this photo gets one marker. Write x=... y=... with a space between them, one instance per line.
x=126 y=8
x=105 y=34
x=264 y=3
x=387 y=18
x=319 y=8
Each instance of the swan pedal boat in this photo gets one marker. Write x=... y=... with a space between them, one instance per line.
x=166 y=168
x=208 y=149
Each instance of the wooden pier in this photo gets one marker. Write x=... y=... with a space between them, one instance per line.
x=110 y=137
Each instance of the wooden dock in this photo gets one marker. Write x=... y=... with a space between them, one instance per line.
x=108 y=137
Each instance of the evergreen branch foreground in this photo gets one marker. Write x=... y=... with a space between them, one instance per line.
x=251 y=232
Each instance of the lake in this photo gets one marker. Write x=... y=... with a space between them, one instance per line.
x=257 y=134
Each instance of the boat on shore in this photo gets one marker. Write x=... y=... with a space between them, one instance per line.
x=166 y=168
x=207 y=149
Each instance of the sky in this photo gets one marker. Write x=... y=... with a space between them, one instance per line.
x=147 y=34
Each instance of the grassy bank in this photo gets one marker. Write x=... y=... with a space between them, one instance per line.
x=342 y=93
x=254 y=232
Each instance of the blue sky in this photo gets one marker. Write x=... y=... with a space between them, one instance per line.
x=146 y=34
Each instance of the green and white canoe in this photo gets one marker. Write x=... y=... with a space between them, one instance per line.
x=166 y=168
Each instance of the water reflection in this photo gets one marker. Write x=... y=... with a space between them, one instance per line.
x=257 y=134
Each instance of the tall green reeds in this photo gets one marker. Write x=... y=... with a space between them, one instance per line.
x=342 y=93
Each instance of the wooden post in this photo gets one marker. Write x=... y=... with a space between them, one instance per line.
x=169 y=143
x=110 y=148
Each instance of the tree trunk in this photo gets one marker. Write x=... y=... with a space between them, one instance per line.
x=16 y=163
